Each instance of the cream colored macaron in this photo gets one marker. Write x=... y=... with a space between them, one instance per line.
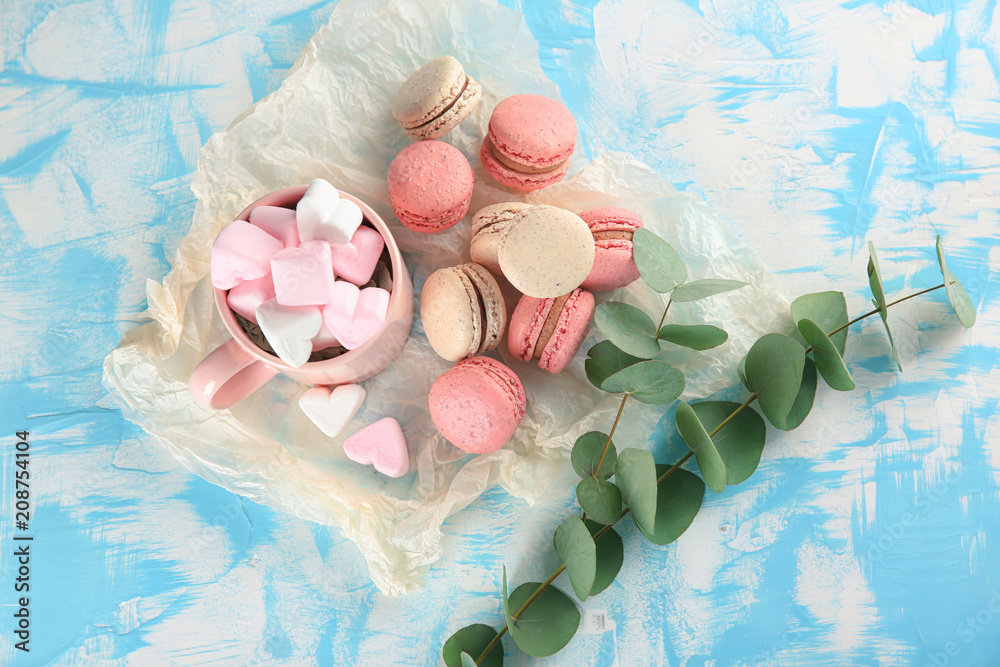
x=489 y=226
x=435 y=99
x=547 y=252
x=463 y=311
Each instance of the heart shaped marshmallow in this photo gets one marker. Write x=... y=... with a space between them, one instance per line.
x=303 y=276
x=332 y=410
x=380 y=444
x=277 y=221
x=241 y=252
x=355 y=315
x=355 y=261
x=249 y=294
x=289 y=330
x=323 y=216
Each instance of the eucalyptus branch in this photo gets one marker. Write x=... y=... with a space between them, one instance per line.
x=773 y=371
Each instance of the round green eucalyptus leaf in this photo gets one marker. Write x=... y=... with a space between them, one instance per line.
x=706 y=287
x=546 y=625
x=826 y=355
x=629 y=328
x=957 y=296
x=878 y=294
x=600 y=499
x=610 y=556
x=587 y=452
x=576 y=549
x=826 y=309
x=804 y=399
x=695 y=336
x=740 y=442
x=659 y=264
x=713 y=469
x=635 y=474
x=774 y=372
x=604 y=360
x=467 y=660
x=653 y=381
x=678 y=499
x=741 y=370
x=472 y=639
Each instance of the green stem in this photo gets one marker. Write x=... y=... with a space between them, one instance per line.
x=888 y=305
x=517 y=614
x=674 y=467
x=660 y=325
x=607 y=444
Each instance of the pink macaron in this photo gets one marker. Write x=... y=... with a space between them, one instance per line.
x=477 y=404
x=530 y=141
x=430 y=186
x=612 y=228
x=550 y=330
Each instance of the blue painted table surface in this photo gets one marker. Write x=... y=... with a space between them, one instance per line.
x=870 y=536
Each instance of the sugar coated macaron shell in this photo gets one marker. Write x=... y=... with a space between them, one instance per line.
x=463 y=311
x=529 y=143
x=547 y=252
x=612 y=228
x=477 y=404
x=435 y=99
x=489 y=227
x=550 y=330
x=430 y=186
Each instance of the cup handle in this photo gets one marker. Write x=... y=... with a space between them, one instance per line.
x=227 y=376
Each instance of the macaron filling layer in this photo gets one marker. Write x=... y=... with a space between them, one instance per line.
x=550 y=324
x=432 y=223
x=622 y=235
x=524 y=164
x=519 y=180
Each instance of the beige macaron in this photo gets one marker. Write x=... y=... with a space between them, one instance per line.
x=463 y=311
x=489 y=226
x=547 y=252
x=435 y=99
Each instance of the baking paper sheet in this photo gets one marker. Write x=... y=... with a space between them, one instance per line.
x=331 y=119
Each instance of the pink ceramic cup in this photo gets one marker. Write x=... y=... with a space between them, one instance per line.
x=238 y=367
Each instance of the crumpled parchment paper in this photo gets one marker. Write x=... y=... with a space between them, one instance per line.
x=331 y=119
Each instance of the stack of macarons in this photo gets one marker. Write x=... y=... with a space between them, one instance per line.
x=552 y=256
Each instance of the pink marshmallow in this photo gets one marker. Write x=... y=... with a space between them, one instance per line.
x=278 y=222
x=354 y=315
x=303 y=276
x=380 y=444
x=355 y=261
x=245 y=297
x=241 y=252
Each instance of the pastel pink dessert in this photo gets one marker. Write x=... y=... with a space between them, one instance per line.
x=612 y=228
x=430 y=186
x=382 y=445
x=477 y=404
x=550 y=330
x=530 y=141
